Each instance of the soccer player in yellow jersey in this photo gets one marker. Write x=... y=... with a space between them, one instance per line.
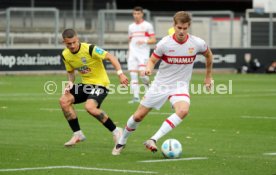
x=87 y=59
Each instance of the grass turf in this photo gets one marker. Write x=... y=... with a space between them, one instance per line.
x=232 y=130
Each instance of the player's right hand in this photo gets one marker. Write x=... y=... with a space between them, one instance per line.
x=123 y=79
x=147 y=72
x=209 y=83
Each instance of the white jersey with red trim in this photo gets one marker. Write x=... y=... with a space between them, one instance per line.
x=177 y=59
x=139 y=31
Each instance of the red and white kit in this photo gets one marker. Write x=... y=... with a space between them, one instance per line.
x=139 y=54
x=175 y=70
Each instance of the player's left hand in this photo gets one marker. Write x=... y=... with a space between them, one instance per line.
x=123 y=79
x=209 y=82
x=68 y=87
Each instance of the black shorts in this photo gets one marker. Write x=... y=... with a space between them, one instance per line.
x=82 y=92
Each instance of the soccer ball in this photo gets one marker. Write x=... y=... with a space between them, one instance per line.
x=171 y=148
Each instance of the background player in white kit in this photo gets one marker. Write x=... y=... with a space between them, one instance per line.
x=177 y=54
x=141 y=35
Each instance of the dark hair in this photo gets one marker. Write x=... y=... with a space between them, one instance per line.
x=182 y=17
x=138 y=8
x=69 y=33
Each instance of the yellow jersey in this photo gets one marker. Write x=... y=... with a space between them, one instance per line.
x=89 y=63
x=171 y=31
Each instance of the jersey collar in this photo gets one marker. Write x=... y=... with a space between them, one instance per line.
x=174 y=38
x=77 y=50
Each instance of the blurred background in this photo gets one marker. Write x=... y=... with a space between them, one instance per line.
x=241 y=32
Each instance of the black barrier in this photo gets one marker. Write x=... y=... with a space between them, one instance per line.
x=50 y=59
x=30 y=59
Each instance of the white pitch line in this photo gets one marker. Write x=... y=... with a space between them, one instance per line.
x=58 y=109
x=269 y=154
x=169 y=160
x=258 y=117
x=77 y=167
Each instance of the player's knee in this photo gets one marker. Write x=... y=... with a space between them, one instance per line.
x=91 y=109
x=182 y=113
x=64 y=102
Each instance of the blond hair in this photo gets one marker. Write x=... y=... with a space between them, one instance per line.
x=182 y=17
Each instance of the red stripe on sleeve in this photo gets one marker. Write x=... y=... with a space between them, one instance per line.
x=156 y=56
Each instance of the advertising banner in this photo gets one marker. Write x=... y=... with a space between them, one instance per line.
x=50 y=59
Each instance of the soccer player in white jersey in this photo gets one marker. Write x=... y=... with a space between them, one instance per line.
x=140 y=35
x=177 y=54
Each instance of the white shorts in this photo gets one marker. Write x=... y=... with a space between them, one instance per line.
x=157 y=95
x=137 y=61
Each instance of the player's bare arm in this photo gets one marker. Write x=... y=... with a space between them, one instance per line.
x=114 y=61
x=150 y=65
x=71 y=79
x=209 y=65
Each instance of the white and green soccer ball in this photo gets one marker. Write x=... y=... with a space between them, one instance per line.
x=171 y=148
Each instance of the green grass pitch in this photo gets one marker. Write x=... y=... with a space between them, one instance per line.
x=235 y=133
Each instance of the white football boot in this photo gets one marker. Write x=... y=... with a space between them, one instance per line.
x=118 y=147
x=151 y=145
x=77 y=137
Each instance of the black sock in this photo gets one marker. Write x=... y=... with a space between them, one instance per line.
x=109 y=125
x=74 y=124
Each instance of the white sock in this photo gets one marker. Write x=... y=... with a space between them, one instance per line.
x=130 y=127
x=115 y=131
x=134 y=84
x=145 y=79
x=79 y=132
x=170 y=123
